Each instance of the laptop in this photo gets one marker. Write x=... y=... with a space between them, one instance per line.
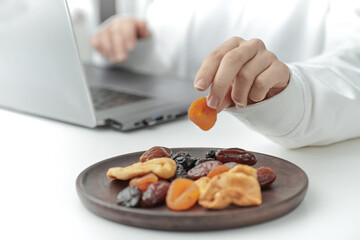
x=41 y=74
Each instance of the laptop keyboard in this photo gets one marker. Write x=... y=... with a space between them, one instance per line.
x=105 y=98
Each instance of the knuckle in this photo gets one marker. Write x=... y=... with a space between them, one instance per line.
x=232 y=57
x=258 y=43
x=246 y=74
x=235 y=40
x=260 y=84
x=216 y=55
x=270 y=55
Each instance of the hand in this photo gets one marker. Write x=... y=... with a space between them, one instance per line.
x=241 y=72
x=119 y=37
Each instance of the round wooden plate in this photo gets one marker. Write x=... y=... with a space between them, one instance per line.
x=98 y=194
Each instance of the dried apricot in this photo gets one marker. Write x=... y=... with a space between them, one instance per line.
x=201 y=114
x=218 y=170
x=182 y=194
x=143 y=182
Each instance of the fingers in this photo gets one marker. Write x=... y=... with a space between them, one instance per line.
x=231 y=64
x=119 y=37
x=246 y=77
x=269 y=80
x=209 y=67
x=241 y=72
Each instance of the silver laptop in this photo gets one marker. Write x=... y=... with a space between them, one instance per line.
x=41 y=74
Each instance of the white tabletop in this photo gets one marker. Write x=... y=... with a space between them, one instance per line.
x=41 y=159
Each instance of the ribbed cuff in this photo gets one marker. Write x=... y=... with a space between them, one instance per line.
x=276 y=116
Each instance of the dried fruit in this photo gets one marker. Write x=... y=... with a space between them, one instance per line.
x=180 y=172
x=185 y=159
x=237 y=155
x=155 y=194
x=201 y=114
x=218 y=170
x=143 y=182
x=162 y=167
x=211 y=154
x=239 y=186
x=203 y=169
x=155 y=152
x=265 y=176
x=202 y=160
x=129 y=196
x=182 y=194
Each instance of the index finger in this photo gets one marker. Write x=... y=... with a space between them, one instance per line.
x=210 y=65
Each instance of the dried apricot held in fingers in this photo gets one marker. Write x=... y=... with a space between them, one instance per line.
x=201 y=114
x=182 y=194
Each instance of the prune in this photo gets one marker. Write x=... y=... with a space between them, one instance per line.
x=231 y=164
x=202 y=169
x=155 y=194
x=265 y=176
x=211 y=154
x=129 y=196
x=218 y=170
x=180 y=172
x=155 y=152
x=237 y=155
x=143 y=182
x=182 y=194
x=185 y=159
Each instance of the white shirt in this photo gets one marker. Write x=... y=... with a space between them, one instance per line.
x=318 y=40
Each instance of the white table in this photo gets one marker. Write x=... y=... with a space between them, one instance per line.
x=40 y=160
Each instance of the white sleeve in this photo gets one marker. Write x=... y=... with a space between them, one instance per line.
x=321 y=104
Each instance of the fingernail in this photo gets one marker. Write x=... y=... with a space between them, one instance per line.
x=213 y=102
x=200 y=84
x=239 y=106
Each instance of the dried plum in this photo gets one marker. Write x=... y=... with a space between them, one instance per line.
x=185 y=159
x=211 y=154
x=129 y=196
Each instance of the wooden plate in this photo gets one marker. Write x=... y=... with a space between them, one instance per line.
x=98 y=194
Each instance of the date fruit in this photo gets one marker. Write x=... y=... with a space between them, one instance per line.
x=237 y=155
x=265 y=176
x=202 y=169
x=129 y=196
x=155 y=194
x=155 y=152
